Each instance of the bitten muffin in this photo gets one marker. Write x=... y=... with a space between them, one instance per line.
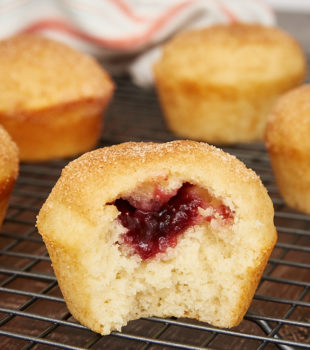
x=51 y=97
x=178 y=229
x=218 y=84
x=8 y=170
x=288 y=145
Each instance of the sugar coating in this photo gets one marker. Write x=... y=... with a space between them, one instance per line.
x=289 y=122
x=229 y=54
x=141 y=151
x=36 y=72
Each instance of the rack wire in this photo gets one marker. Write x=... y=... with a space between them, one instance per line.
x=33 y=314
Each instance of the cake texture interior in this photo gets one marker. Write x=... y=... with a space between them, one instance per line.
x=133 y=232
x=176 y=247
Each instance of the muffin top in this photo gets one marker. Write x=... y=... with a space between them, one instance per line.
x=98 y=178
x=232 y=54
x=38 y=73
x=288 y=125
x=8 y=158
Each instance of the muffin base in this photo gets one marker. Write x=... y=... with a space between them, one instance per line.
x=292 y=173
x=219 y=114
x=56 y=132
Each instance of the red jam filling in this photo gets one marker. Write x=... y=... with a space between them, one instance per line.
x=152 y=231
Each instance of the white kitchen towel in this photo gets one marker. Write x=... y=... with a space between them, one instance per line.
x=125 y=35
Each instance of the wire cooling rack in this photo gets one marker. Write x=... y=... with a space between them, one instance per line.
x=33 y=314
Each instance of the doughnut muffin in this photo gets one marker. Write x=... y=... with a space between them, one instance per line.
x=51 y=97
x=288 y=145
x=8 y=170
x=176 y=229
x=218 y=84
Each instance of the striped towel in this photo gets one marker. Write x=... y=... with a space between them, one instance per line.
x=125 y=34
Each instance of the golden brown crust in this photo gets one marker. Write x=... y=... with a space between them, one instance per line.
x=37 y=73
x=287 y=141
x=51 y=97
x=218 y=84
x=8 y=170
x=288 y=126
x=55 y=132
x=232 y=54
x=81 y=241
x=254 y=275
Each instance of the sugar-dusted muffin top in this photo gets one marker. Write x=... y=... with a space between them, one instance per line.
x=37 y=73
x=230 y=54
x=100 y=176
x=288 y=125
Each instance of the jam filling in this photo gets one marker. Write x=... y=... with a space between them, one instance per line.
x=152 y=231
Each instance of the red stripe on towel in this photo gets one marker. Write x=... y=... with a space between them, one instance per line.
x=229 y=14
x=124 y=43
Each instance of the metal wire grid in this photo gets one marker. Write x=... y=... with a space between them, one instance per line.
x=33 y=314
